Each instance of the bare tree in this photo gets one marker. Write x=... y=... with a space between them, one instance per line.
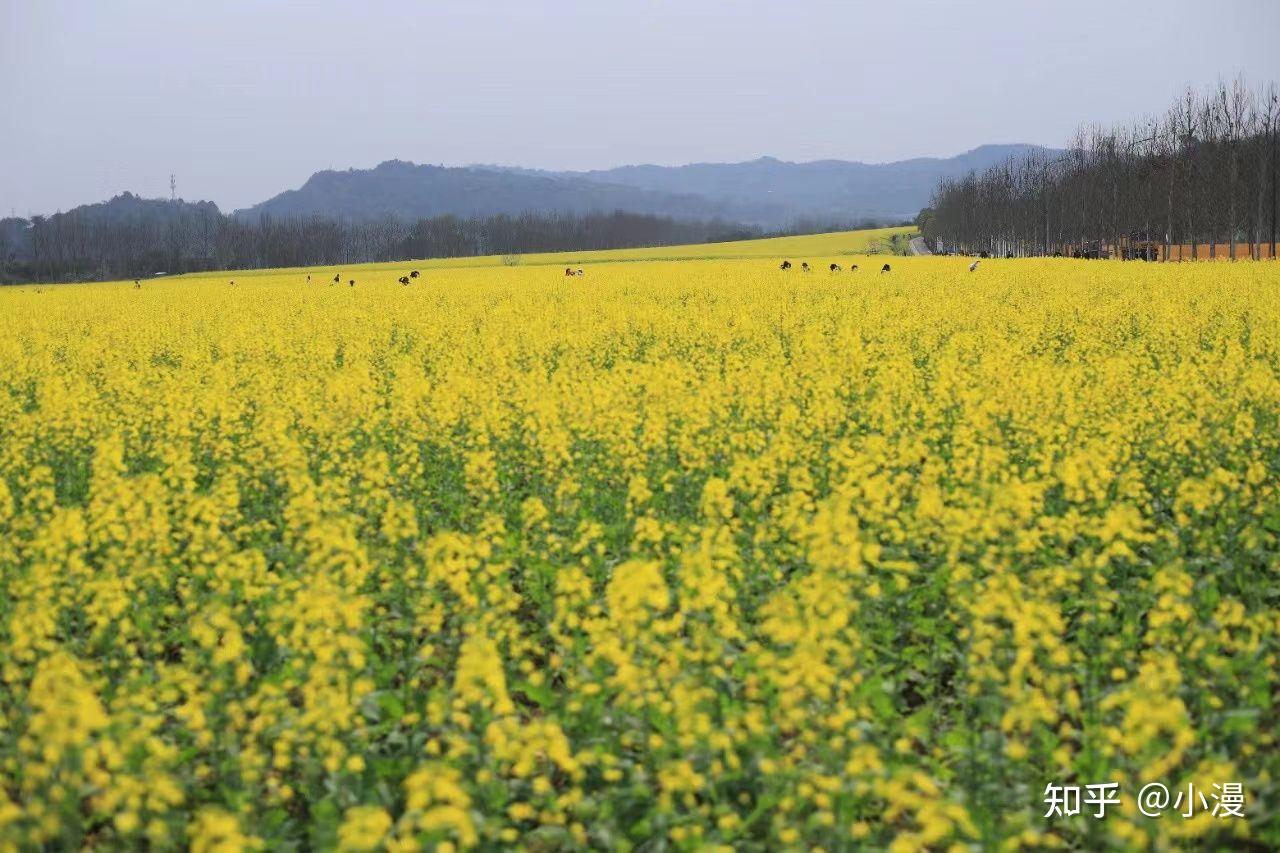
x=1206 y=172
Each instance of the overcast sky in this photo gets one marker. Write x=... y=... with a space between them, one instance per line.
x=244 y=99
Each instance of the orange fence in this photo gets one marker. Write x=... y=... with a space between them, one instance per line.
x=1140 y=249
x=1244 y=252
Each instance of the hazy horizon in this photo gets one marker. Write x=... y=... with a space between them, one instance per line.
x=242 y=101
x=478 y=164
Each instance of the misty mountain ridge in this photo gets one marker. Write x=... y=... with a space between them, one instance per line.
x=406 y=190
x=128 y=207
x=837 y=189
x=767 y=191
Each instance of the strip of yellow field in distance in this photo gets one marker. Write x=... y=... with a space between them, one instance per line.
x=798 y=247
x=835 y=243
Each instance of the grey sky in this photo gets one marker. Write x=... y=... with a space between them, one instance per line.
x=242 y=100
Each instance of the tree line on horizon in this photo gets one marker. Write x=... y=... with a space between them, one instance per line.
x=131 y=237
x=177 y=237
x=1199 y=181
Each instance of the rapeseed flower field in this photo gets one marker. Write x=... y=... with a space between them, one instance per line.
x=674 y=555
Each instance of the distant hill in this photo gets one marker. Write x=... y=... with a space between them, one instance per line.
x=832 y=189
x=767 y=191
x=405 y=190
x=131 y=208
x=142 y=215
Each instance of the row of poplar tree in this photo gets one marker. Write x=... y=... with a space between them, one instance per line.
x=1199 y=181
